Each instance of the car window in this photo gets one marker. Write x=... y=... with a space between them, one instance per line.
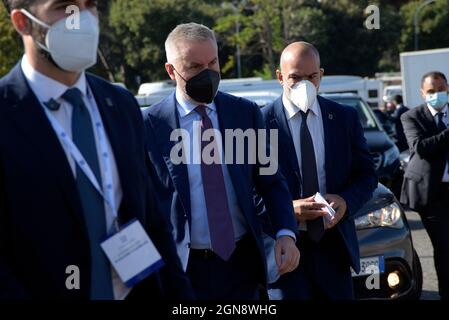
x=366 y=117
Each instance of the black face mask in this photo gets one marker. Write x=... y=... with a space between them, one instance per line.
x=204 y=86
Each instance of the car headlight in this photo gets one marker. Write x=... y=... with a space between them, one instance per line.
x=391 y=155
x=389 y=216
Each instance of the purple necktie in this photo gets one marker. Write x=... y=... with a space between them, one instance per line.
x=218 y=215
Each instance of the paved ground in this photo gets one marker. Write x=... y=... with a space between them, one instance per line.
x=425 y=252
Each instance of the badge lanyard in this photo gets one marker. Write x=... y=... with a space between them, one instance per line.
x=107 y=190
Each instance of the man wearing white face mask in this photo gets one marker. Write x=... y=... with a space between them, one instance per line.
x=73 y=172
x=426 y=180
x=321 y=149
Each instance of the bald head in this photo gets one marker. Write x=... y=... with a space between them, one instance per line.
x=299 y=61
x=300 y=51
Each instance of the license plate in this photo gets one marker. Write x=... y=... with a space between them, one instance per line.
x=369 y=266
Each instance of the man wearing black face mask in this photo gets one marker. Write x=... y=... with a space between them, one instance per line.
x=73 y=171
x=210 y=205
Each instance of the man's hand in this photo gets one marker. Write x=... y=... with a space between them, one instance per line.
x=308 y=209
x=287 y=254
x=339 y=205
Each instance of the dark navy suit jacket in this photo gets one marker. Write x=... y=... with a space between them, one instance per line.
x=350 y=171
x=173 y=184
x=428 y=152
x=42 y=228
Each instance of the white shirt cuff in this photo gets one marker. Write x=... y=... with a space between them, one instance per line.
x=285 y=232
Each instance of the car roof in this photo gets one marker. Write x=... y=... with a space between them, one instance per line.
x=340 y=95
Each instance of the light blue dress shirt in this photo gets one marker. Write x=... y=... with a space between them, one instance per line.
x=199 y=236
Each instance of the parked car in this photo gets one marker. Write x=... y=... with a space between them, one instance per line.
x=390 y=92
x=383 y=149
x=385 y=242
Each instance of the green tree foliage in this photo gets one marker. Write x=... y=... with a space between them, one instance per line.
x=10 y=46
x=138 y=30
x=134 y=31
x=433 y=26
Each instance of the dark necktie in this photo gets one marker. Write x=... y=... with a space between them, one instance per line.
x=218 y=214
x=441 y=127
x=91 y=201
x=315 y=228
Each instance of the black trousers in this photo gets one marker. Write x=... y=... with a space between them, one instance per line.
x=238 y=278
x=435 y=218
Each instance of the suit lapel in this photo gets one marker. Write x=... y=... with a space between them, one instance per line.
x=286 y=144
x=28 y=115
x=431 y=125
x=163 y=129
x=329 y=126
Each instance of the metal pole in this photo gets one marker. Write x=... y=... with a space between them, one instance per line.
x=237 y=31
x=239 y=62
x=416 y=21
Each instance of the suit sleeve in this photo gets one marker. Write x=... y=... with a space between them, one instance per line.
x=10 y=285
x=425 y=147
x=273 y=187
x=363 y=174
x=175 y=282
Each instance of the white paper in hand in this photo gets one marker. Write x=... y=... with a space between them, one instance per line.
x=329 y=210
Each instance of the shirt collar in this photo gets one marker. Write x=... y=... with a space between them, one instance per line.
x=186 y=107
x=292 y=109
x=46 y=88
x=434 y=112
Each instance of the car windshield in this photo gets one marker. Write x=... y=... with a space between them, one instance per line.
x=365 y=114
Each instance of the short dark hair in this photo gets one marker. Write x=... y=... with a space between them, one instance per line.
x=17 y=4
x=434 y=75
x=397 y=99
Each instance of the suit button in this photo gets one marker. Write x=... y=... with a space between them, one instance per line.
x=188 y=245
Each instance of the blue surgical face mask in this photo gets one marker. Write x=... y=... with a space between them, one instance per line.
x=437 y=100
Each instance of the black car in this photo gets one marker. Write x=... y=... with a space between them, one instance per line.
x=386 y=246
x=383 y=149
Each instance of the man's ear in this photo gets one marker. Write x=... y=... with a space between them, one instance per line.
x=170 y=70
x=321 y=73
x=21 y=22
x=280 y=77
x=423 y=94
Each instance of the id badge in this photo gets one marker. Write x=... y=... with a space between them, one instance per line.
x=132 y=253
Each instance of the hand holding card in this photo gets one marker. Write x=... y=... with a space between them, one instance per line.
x=329 y=210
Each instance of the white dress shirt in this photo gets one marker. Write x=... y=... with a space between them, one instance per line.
x=316 y=128
x=199 y=236
x=434 y=113
x=45 y=89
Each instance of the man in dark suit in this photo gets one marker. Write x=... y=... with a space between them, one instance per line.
x=210 y=203
x=52 y=215
x=426 y=180
x=400 y=109
x=322 y=150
